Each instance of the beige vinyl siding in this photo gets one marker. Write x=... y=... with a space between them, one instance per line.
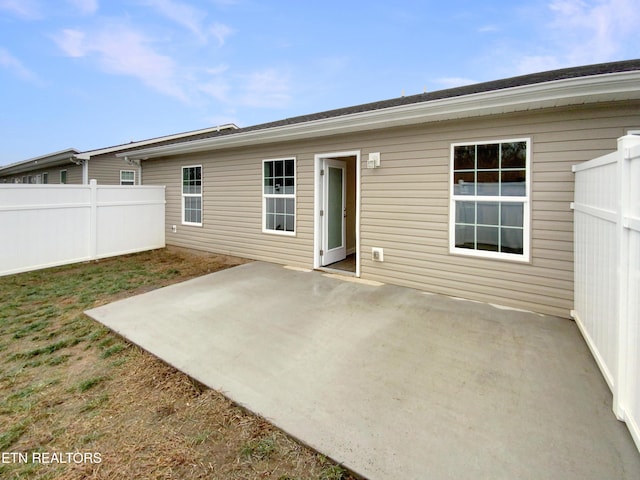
x=106 y=169
x=74 y=174
x=413 y=227
x=232 y=206
x=405 y=203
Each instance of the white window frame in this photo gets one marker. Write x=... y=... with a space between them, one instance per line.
x=524 y=200
x=128 y=182
x=267 y=196
x=66 y=177
x=191 y=195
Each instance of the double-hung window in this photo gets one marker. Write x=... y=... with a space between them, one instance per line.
x=127 y=177
x=279 y=196
x=490 y=196
x=192 y=195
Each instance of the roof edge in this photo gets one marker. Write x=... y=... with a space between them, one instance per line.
x=50 y=159
x=86 y=155
x=562 y=92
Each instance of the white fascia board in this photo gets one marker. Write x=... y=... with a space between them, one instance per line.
x=53 y=159
x=92 y=153
x=574 y=91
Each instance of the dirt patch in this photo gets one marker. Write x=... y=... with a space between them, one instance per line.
x=71 y=390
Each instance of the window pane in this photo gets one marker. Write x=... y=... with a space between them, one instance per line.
x=466 y=212
x=290 y=206
x=289 y=185
x=464 y=157
x=268 y=185
x=488 y=156
x=290 y=220
x=192 y=180
x=268 y=169
x=289 y=168
x=278 y=168
x=279 y=205
x=488 y=183
x=487 y=238
x=271 y=221
x=271 y=205
x=465 y=236
x=514 y=183
x=193 y=209
x=512 y=215
x=514 y=155
x=279 y=222
x=511 y=240
x=488 y=213
x=464 y=183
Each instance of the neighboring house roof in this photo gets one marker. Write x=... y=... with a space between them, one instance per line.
x=569 y=86
x=72 y=155
x=168 y=139
x=55 y=159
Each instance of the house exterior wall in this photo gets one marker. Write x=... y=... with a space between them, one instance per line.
x=405 y=204
x=106 y=169
x=74 y=174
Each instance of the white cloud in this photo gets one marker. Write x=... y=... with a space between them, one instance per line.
x=16 y=67
x=183 y=14
x=124 y=51
x=586 y=31
x=72 y=43
x=216 y=87
x=488 y=29
x=221 y=32
x=266 y=89
x=192 y=19
x=29 y=9
x=86 y=7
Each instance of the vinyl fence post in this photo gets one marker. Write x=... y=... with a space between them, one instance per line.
x=93 y=219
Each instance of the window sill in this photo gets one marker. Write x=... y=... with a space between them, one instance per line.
x=279 y=232
x=488 y=255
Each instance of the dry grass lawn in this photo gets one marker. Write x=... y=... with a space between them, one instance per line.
x=69 y=386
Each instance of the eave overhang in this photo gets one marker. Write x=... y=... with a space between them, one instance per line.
x=128 y=146
x=63 y=157
x=609 y=87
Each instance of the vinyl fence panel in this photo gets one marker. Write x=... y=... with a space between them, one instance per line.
x=47 y=225
x=607 y=271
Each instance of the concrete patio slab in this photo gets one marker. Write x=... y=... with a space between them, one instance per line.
x=390 y=381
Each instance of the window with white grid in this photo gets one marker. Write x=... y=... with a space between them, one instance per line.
x=490 y=199
x=192 y=195
x=279 y=196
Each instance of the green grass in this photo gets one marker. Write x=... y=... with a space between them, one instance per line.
x=259 y=449
x=112 y=350
x=11 y=435
x=90 y=383
x=95 y=403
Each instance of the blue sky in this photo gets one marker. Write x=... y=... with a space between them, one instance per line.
x=88 y=74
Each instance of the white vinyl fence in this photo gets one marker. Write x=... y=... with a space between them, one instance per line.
x=607 y=271
x=47 y=225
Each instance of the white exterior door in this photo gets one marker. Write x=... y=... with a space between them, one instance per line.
x=334 y=211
